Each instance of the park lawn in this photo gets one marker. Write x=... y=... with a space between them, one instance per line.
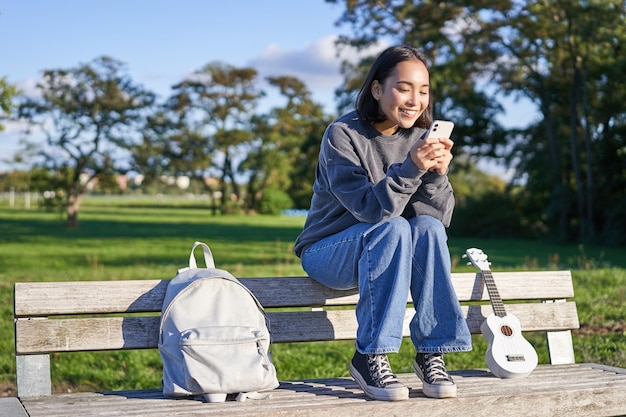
x=125 y=238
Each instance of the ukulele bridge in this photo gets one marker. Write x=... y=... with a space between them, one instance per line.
x=515 y=358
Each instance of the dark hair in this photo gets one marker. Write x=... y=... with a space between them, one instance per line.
x=367 y=105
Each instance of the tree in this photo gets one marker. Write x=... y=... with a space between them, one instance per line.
x=566 y=56
x=173 y=145
x=7 y=93
x=213 y=108
x=148 y=156
x=284 y=154
x=87 y=115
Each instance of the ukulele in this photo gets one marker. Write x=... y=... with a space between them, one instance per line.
x=509 y=354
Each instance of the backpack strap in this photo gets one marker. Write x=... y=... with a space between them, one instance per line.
x=208 y=256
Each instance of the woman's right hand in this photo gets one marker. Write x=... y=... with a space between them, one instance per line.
x=432 y=154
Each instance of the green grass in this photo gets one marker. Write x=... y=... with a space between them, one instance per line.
x=122 y=238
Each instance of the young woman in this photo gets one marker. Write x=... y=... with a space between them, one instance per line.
x=381 y=203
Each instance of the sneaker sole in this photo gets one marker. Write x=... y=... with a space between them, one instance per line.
x=434 y=391
x=382 y=394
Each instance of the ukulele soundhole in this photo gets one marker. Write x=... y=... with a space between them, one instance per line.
x=506 y=330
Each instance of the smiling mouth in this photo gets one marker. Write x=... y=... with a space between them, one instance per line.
x=408 y=113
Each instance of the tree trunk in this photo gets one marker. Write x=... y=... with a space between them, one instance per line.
x=559 y=185
x=591 y=228
x=223 y=190
x=228 y=173
x=575 y=154
x=73 y=205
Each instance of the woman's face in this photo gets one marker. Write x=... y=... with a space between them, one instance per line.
x=403 y=96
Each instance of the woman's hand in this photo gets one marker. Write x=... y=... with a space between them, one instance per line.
x=433 y=154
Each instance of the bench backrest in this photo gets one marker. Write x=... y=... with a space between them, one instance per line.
x=111 y=315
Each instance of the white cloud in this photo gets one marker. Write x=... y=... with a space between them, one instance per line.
x=317 y=64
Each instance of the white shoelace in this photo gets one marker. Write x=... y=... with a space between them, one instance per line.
x=436 y=368
x=380 y=369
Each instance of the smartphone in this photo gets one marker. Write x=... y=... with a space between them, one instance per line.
x=440 y=129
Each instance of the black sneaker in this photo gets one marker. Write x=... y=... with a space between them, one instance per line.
x=374 y=376
x=436 y=382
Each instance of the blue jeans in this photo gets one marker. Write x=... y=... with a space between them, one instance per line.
x=385 y=261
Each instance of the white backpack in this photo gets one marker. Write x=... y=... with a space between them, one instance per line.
x=214 y=336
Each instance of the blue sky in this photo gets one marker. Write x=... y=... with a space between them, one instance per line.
x=162 y=41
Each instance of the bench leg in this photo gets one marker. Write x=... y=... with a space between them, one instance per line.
x=33 y=375
x=560 y=344
x=560 y=347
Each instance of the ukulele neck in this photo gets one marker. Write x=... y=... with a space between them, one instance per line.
x=494 y=295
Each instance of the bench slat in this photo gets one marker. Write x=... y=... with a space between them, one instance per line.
x=77 y=334
x=126 y=296
x=573 y=390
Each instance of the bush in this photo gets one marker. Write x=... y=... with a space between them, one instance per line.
x=274 y=201
x=613 y=230
x=493 y=214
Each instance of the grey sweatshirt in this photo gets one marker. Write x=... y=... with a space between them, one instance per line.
x=363 y=176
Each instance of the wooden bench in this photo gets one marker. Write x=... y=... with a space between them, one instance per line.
x=88 y=316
